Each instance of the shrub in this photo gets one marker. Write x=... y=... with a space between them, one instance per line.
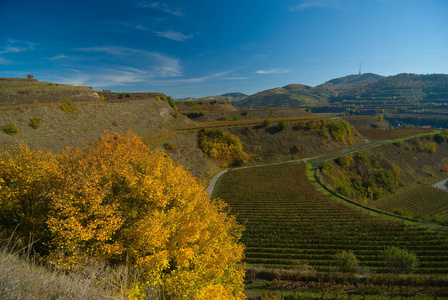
x=428 y=148
x=266 y=122
x=441 y=137
x=35 y=122
x=295 y=149
x=399 y=260
x=196 y=114
x=68 y=106
x=246 y=130
x=282 y=125
x=173 y=105
x=345 y=161
x=346 y=261
x=10 y=129
x=170 y=146
x=398 y=143
x=224 y=146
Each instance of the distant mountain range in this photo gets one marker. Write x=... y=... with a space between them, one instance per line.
x=366 y=88
x=236 y=96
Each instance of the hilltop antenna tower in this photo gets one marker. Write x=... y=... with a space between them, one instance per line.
x=360 y=69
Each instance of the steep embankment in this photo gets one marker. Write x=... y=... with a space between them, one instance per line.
x=28 y=91
x=58 y=128
x=297 y=140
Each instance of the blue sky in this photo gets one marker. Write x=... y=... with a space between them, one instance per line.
x=210 y=47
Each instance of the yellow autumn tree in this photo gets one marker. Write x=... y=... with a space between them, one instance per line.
x=224 y=146
x=26 y=185
x=117 y=201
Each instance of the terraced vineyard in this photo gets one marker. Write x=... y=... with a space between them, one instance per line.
x=423 y=202
x=288 y=222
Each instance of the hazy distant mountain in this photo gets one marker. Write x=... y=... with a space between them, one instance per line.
x=350 y=82
x=235 y=96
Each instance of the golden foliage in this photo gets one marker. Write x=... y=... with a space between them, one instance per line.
x=26 y=179
x=224 y=146
x=117 y=201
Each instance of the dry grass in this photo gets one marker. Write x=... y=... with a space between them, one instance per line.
x=58 y=128
x=21 y=278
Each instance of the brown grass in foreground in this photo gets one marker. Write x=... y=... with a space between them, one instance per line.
x=21 y=278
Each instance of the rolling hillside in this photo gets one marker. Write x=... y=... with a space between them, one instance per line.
x=234 y=96
x=401 y=89
x=363 y=89
x=292 y=95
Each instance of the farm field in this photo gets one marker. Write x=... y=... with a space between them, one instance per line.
x=425 y=202
x=289 y=223
x=387 y=134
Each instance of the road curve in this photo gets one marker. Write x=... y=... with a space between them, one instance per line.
x=212 y=183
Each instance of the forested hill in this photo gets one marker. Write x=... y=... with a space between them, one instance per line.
x=292 y=95
x=350 y=82
x=401 y=88
x=365 y=88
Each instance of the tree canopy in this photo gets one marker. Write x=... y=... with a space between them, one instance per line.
x=116 y=201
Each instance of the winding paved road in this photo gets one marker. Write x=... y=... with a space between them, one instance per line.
x=212 y=183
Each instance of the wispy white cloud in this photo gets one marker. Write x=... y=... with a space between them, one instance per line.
x=273 y=71
x=306 y=4
x=15 y=46
x=140 y=27
x=235 y=78
x=160 y=64
x=134 y=26
x=99 y=76
x=163 y=8
x=173 y=35
x=4 y=61
x=58 y=57
x=219 y=75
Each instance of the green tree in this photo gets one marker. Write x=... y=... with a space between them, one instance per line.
x=346 y=261
x=441 y=137
x=399 y=260
x=282 y=125
x=266 y=122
